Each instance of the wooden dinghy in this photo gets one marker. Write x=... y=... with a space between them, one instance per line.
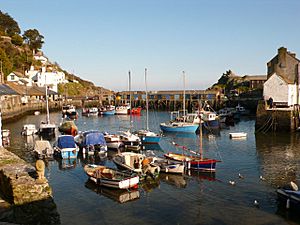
x=109 y=177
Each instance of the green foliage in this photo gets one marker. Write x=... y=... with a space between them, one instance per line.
x=71 y=89
x=6 y=63
x=8 y=25
x=16 y=39
x=33 y=38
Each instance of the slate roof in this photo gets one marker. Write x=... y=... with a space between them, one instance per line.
x=6 y=90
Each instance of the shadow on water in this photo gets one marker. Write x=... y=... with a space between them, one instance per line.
x=39 y=212
x=280 y=156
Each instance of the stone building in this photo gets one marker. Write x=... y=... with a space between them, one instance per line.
x=283 y=79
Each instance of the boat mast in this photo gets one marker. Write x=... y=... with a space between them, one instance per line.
x=129 y=86
x=183 y=96
x=200 y=133
x=147 y=103
x=47 y=106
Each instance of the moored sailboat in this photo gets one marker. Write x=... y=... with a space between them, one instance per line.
x=180 y=126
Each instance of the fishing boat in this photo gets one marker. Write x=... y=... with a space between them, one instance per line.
x=180 y=126
x=91 y=142
x=29 y=129
x=136 y=110
x=93 y=111
x=47 y=128
x=136 y=162
x=195 y=161
x=107 y=110
x=122 y=109
x=147 y=136
x=112 y=141
x=130 y=141
x=68 y=127
x=69 y=111
x=65 y=147
x=109 y=177
x=43 y=150
x=169 y=166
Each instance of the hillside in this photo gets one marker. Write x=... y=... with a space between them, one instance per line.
x=17 y=55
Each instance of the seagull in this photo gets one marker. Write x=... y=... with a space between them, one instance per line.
x=262 y=178
x=231 y=182
x=240 y=176
x=256 y=203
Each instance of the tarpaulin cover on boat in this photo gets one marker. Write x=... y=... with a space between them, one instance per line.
x=66 y=141
x=94 y=138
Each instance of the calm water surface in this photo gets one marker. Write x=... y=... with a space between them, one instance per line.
x=195 y=198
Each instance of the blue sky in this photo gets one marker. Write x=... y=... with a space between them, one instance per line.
x=101 y=40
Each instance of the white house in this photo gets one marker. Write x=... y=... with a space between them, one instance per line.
x=19 y=78
x=280 y=90
x=41 y=58
x=50 y=78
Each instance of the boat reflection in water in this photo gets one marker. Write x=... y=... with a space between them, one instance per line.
x=199 y=175
x=120 y=196
x=66 y=164
x=176 y=180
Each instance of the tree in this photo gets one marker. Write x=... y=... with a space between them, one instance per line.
x=33 y=38
x=8 y=25
x=16 y=39
x=6 y=63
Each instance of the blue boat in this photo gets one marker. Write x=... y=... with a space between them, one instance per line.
x=107 y=110
x=179 y=127
x=91 y=142
x=66 y=147
x=149 y=137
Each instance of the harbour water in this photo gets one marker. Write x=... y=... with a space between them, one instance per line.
x=196 y=198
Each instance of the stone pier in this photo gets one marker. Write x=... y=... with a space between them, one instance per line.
x=18 y=183
x=276 y=119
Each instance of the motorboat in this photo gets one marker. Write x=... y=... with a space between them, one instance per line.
x=113 y=141
x=43 y=149
x=136 y=162
x=69 y=111
x=122 y=109
x=109 y=177
x=91 y=142
x=107 y=110
x=148 y=137
x=131 y=141
x=65 y=147
x=29 y=129
x=169 y=166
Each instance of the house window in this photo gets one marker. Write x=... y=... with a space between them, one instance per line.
x=12 y=77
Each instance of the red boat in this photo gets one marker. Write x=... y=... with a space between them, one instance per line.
x=136 y=111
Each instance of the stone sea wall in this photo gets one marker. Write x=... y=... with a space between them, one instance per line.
x=18 y=183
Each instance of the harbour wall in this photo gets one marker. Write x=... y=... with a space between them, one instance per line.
x=13 y=110
x=18 y=183
x=276 y=119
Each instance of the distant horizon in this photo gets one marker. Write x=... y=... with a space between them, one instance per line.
x=100 y=41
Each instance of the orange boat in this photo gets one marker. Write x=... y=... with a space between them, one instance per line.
x=136 y=111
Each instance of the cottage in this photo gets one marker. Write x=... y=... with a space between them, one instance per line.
x=282 y=83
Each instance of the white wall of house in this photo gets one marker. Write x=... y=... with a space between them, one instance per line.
x=49 y=78
x=281 y=91
x=12 y=77
x=276 y=88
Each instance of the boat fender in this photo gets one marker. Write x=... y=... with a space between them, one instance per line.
x=288 y=203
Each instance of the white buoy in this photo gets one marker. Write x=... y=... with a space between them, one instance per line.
x=256 y=203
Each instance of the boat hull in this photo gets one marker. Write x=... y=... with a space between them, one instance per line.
x=69 y=153
x=108 y=177
x=179 y=128
x=204 y=165
x=150 y=139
